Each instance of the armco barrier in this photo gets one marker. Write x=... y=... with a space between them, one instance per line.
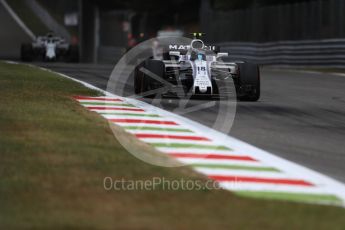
x=318 y=53
x=315 y=53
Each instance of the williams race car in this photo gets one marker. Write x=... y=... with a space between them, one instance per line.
x=197 y=70
x=49 y=48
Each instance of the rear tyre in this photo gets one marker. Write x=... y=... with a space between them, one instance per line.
x=73 y=53
x=248 y=88
x=138 y=80
x=26 y=52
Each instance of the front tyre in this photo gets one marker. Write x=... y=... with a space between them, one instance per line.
x=144 y=84
x=26 y=52
x=248 y=87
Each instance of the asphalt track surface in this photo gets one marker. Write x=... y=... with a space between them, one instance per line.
x=300 y=116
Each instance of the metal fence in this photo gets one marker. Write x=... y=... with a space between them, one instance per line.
x=318 y=53
x=319 y=19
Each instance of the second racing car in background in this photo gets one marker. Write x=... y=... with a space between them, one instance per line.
x=49 y=48
x=197 y=70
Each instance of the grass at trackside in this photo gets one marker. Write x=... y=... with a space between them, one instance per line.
x=28 y=17
x=54 y=155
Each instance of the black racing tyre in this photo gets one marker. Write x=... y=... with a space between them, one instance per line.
x=248 y=88
x=138 y=77
x=26 y=52
x=144 y=82
x=73 y=53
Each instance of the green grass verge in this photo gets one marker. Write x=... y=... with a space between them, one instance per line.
x=28 y=17
x=54 y=155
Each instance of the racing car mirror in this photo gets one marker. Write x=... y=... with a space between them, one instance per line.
x=219 y=55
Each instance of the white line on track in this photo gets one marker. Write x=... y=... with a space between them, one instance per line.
x=167 y=132
x=242 y=186
x=222 y=162
x=173 y=140
x=143 y=117
x=232 y=172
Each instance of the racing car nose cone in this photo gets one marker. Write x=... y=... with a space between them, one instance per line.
x=203 y=89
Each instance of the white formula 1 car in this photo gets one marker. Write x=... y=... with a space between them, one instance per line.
x=197 y=70
x=49 y=48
